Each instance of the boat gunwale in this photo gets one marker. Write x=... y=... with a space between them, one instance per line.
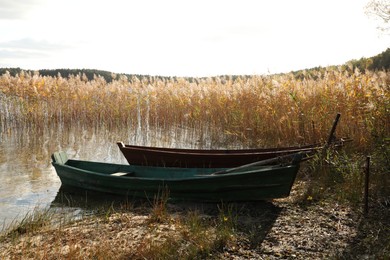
x=221 y=152
x=259 y=170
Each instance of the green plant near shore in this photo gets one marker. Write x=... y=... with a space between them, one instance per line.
x=340 y=176
x=334 y=174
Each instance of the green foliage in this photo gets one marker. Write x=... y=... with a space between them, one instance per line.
x=375 y=63
x=340 y=175
x=381 y=61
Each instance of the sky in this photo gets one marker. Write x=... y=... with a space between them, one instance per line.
x=186 y=37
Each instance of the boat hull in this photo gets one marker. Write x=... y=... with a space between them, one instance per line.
x=192 y=184
x=172 y=157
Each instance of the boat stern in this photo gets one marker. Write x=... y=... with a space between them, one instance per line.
x=120 y=144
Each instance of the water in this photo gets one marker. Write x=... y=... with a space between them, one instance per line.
x=28 y=180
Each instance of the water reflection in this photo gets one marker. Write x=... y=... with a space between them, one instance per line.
x=29 y=181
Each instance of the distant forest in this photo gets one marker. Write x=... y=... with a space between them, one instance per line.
x=378 y=62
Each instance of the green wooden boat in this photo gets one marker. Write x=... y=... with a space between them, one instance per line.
x=245 y=183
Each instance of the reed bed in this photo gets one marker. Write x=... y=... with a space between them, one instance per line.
x=249 y=111
x=218 y=112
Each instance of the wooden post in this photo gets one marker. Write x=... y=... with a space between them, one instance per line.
x=331 y=135
x=366 y=184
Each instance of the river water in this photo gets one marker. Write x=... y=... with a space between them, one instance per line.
x=27 y=179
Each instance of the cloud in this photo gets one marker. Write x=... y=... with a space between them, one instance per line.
x=17 y=9
x=12 y=54
x=29 y=49
x=32 y=44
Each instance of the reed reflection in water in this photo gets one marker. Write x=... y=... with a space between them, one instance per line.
x=28 y=179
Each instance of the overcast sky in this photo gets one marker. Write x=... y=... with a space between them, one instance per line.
x=186 y=38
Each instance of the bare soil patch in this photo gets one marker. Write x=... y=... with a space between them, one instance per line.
x=281 y=229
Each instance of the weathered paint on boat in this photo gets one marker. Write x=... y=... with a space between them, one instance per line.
x=173 y=157
x=197 y=184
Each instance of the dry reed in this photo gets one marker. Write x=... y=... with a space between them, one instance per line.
x=249 y=111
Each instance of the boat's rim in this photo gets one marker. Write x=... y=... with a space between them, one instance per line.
x=258 y=170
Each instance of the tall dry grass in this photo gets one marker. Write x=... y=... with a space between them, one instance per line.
x=249 y=111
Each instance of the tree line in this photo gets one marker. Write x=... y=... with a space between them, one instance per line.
x=375 y=63
x=378 y=62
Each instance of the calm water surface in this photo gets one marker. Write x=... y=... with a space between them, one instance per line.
x=28 y=180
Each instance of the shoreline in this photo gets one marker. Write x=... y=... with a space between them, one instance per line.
x=283 y=228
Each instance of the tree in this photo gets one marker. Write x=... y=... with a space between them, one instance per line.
x=380 y=9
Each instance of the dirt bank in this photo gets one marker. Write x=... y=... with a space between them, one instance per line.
x=268 y=230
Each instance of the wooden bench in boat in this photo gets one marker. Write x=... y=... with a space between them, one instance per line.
x=123 y=174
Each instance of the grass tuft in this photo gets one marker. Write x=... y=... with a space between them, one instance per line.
x=30 y=223
x=159 y=213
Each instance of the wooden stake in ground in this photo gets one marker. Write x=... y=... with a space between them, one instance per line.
x=366 y=183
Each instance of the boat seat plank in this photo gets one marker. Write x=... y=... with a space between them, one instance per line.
x=122 y=174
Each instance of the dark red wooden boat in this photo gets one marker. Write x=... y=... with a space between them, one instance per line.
x=200 y=158
x=216 y=158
